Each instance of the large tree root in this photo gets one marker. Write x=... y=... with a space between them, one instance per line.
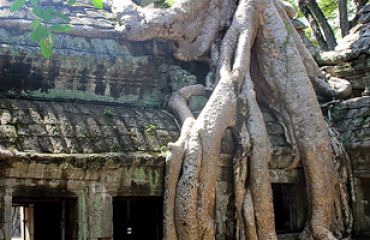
x=283 y=75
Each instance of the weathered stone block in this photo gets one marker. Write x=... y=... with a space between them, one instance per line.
x=44 y=144
x=274 y=128
x=164 y=136
x=67 y=129
x=86 y=145
x=8 y=131
x=81 y=130
x=71 y=145
x=280 y=161
x=5 y=117
x=138 y=139
x=277 y=140
x=151 y=140
x=94 y=130
x=53 y=130
x=58 y=144
x=286 y=176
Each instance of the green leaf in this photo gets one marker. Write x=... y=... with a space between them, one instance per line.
x=48 y=14
x=46 y=46
x=61 y=16
x=18 y=4
x=71 y=2
x=39 y=33
x=35 y=24
x=60 y=28
x=37 y=11
x=97 y=3
x=35 y=3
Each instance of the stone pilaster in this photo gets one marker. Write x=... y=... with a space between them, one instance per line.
x=95 y=213
x=5 y=213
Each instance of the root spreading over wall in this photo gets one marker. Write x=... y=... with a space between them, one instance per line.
x=255 y=53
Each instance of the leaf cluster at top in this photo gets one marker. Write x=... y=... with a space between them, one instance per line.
x=47 y=21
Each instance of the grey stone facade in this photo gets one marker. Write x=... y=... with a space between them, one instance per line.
x=352 y=119
x=351 y=60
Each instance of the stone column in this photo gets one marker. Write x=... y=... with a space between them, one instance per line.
x=95 y=213
x=358 y=206
x=5 y=213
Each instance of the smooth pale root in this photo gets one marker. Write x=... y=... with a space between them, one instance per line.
x=242 y=34
x=177 y=104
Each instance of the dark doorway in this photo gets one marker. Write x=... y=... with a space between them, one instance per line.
x=137 y=218
x=48 y=220
x=289 y=206
x=45 y=219
x=282 y=207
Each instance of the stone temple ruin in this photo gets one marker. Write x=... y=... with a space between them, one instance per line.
x=83 y=136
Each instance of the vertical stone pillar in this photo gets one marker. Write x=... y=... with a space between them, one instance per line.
x=5 y=213
x=357 y=206
x=83 y=231
x=224 y=215
x=95 y=213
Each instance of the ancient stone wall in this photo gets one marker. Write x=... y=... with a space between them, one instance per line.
x=351 y=58
x=90 y=152
x=101 y=65
x=352 y=120
x=64 y=148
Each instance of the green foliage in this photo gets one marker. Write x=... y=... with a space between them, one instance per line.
x=337 y=113
x=60 y=28
x=164 y=149
x=309 y=35
x=109 y=112
x=97 y=3
x=48 y=21
x=17 y=4
x=71 y=2
x=39 y=32
x=164 y=3
x=329 y=8
x=46 y=46
x=150 y=127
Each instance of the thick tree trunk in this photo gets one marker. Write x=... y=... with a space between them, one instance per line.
x=307 y=121
x=321 y=28
x=343 y=17
x=314 y=25
x=359 y=4
x=260 y=56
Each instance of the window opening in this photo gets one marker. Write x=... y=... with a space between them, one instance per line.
x=137 y=218
x=40 y=219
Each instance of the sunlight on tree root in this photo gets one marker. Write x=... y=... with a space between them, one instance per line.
x=256 y=54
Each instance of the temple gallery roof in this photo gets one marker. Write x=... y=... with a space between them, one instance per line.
x=69 y=128
x=50 y=130
x=352 y=120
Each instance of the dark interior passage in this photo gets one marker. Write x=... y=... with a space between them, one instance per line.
x=290 y=206
x=45 y=219
x=48 y=220
x=137 y=218
x=283 y=208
